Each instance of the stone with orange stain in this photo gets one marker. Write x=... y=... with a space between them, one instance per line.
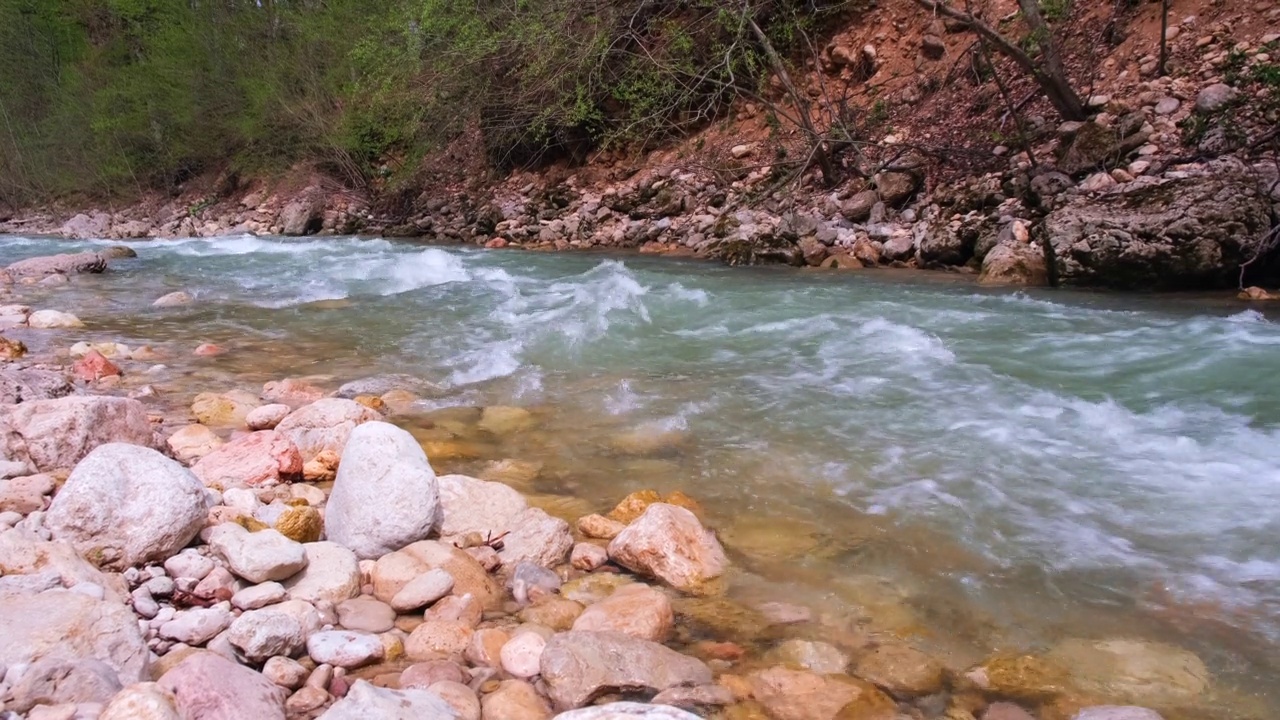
x=669 y=543
x=634 y=505
x=802 y=695
x=94 y=366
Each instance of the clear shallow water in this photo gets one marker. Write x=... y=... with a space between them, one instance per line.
x=1021 y=467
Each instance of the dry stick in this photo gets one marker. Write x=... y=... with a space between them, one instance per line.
x=1008 y=103
x=1164 y=39
x=824 y=160
x=1050 y=78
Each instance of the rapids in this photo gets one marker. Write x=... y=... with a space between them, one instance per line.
x=1008 y=468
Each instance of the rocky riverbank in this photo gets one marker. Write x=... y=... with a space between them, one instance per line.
x=1153 y=192
x=290 y=551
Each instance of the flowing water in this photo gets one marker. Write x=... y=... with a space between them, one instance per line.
x=978 y=470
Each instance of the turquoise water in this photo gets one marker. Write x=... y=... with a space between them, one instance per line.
x=1020 y=466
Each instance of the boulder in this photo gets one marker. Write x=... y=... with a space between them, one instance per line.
x=895 y=186
x=325 y=425
x=258 y=556
x=58 y=433
x=802 y=695
x=580 y=666
x=396 y=570
x=1210 y=99
x=859 y=206
x=18 y=385
x=1189 y=231
x=669 y=543
x=68 y=625
x=384 y=496
x=332 y=574
x=124 y=505
x=1014 y=263
x=260 y=459
x=57 y=681
x=62 y=264
x=86 y=226
x=208 y=686
x=636 y=610
x=627 y=710
x=365 y=701
x=302 y=216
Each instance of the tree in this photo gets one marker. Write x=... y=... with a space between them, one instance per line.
x=1047 y=70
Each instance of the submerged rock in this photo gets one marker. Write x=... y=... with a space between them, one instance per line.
x=802 y=695
x=385 y=494
x=668 y=542
x=1136 y=671
x=581 y=666
x=124 y=505
x=53 y=320
x=223 y=410
x=63 y=264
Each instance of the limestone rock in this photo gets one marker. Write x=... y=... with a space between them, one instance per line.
x=324 y=425
x=58 y=433
x=1211 y=99
x=902 y=671
x=258 y=556
x=266 y=417
x=580 y=666
x=1191 y=231
x=142 y=701
x=57 y=681
x=208 y=686
x=385 y=496
x=260 y=459
x=627 y=710
x=668 y=542
x=266 y=633
x=1136 y=671
x=492 y=509
x=366 y=614
x=1014 y=263
x=332 y=574
x=812 y=655
x=124 y=505
x=802 y=695
x=192 y=442
x=394 y=571
x=636 y=610
x=63 y=264
x=515 y=700
x=174 y=299
x=223 y=410
x=423 y=590
x=197 y=626
x=344 y=648
x=1116 y=712
x=302 y=216
x=67 y=625
x=22 y=385
x=858 y=207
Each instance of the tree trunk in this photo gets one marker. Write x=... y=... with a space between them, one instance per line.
x=1049 y=75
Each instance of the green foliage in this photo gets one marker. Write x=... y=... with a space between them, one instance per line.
x=114 y=96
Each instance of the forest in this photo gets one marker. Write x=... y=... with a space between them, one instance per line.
x=111 y=97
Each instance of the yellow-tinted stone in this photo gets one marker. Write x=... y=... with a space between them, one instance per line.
x=301 y=523
x=634 y=505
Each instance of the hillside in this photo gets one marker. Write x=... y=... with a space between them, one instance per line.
x=839 y=134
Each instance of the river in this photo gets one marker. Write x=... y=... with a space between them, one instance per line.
x=978 y=469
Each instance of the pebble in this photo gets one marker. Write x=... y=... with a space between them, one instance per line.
x=259 y=596
x=342 y=648
x=197 y=625
x=423 y=590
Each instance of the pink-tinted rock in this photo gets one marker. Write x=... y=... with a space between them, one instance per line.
x=25 y=495
x=58 y=433
x=580 y=666
x=291 y=391
x=207 y=686
x=94 y=366
x=260 y=459
x=325 y=425
x=425 y=674
x=208 y=350
x=515 y=700
x=588 y=557
x=669 y=543
x=636 y=610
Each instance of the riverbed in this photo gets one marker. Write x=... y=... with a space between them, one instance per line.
x=974 y=469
